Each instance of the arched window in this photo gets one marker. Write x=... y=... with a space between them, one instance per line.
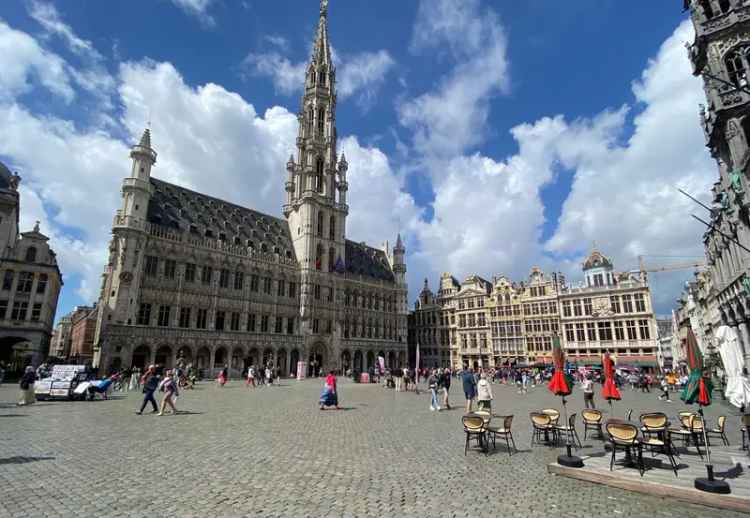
x=322 y=76
x=319 y=176
x=31 y=254
x=736 y=62
x=312 y=76
x=725 y=5
x=332 y=228
x=331 y=259
x=321 y=121
x=310 y=120
x=320 y=223
x=707 y=9
x=319 y=257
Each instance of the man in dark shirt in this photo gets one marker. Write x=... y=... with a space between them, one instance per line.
x=149 y=387
x=470 y=387
x=446 y=387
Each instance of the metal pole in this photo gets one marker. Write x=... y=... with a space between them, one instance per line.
x=709 y=209
x=732 y=239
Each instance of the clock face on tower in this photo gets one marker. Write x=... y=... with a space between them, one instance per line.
x=126 y=277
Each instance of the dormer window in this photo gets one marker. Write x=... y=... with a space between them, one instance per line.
x=31 y=254
x=737 y=66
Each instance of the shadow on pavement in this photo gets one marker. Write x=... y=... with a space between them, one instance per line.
x=23 y=460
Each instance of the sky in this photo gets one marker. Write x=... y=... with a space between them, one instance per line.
x=494 y=135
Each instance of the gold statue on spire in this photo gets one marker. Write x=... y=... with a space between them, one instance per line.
x=324 y=7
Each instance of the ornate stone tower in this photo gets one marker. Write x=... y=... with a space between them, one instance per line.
x=721 y=55
x=119 y=297
x=316 y=184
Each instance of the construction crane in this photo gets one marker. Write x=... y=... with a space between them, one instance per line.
x=691 y=265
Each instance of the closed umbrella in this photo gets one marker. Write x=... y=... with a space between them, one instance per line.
x=698 y=390
x=609 y=390
x=562 y=385
x=738 y=386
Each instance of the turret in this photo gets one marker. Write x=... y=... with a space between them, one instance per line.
x=136 y=189
x=343 y=186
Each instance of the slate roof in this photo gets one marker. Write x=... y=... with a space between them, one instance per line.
x=175 y=207
x=5 y=176
x=368 y=261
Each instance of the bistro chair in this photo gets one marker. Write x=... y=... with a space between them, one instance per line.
x=504 y=431
x=654 y=423
x=745 y=431
x=485 y=415
x=629 y=415
x=553 y=414
x=691 y=430
x=592 y=420
x=660 y=445
x=719 y=431
x=542 y=427
x=624 y=437
x=475 y=429
x=569 y=431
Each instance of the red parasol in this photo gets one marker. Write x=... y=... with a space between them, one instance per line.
x=559 y=385
x=609 y=390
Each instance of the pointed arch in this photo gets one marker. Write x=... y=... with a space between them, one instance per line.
x=332 y=228
x=331 y=254
x=319 y=257
x=322 y=120
x=320 y=165
x=321 y=219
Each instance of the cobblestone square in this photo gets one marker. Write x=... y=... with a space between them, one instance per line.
x=272 y=452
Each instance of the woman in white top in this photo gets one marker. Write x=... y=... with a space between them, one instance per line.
x=484 y=394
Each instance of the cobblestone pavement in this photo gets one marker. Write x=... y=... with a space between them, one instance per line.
x=272 y=452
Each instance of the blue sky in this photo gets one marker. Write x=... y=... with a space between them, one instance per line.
x=495 y=135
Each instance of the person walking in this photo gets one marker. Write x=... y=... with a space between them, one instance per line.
x=484 y=394
x=27 y=396
x=330 y=394
x=223 y=376
x=150 y=383
x=134 y=375
x=269 y=378
x=664 y=396
x=446 y=388
x=398 y=375
x=432 y=384
x=250 y=376
x=168 y=385
x=470 y=387
x=588 y=392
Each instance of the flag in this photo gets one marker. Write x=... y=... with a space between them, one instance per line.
x=339 y=267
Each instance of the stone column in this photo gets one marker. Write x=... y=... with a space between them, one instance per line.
x=210 y=369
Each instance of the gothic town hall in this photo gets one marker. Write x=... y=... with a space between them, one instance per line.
x=197 y=279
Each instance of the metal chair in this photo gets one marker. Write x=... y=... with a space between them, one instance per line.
x=569 y=431
x=719 y=431
x=691 y=430
x=542 y=426
x=592 y=420
x=629 y=415
x=504 y=431
x=474 y=428
x=657 y=445
x=553 y=414
x=654 y=423
x=624 y=436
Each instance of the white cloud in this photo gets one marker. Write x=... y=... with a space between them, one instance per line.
x=23 y=62
x=626 y=196
x=49 y=18
x=358 y=75
x=197 y=8
x=287 y=77
x=363 y=74
x=453 y=117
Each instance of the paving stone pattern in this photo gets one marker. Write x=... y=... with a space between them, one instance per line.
x=272 y=452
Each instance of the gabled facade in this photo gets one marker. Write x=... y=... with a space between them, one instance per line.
x=30 y=283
